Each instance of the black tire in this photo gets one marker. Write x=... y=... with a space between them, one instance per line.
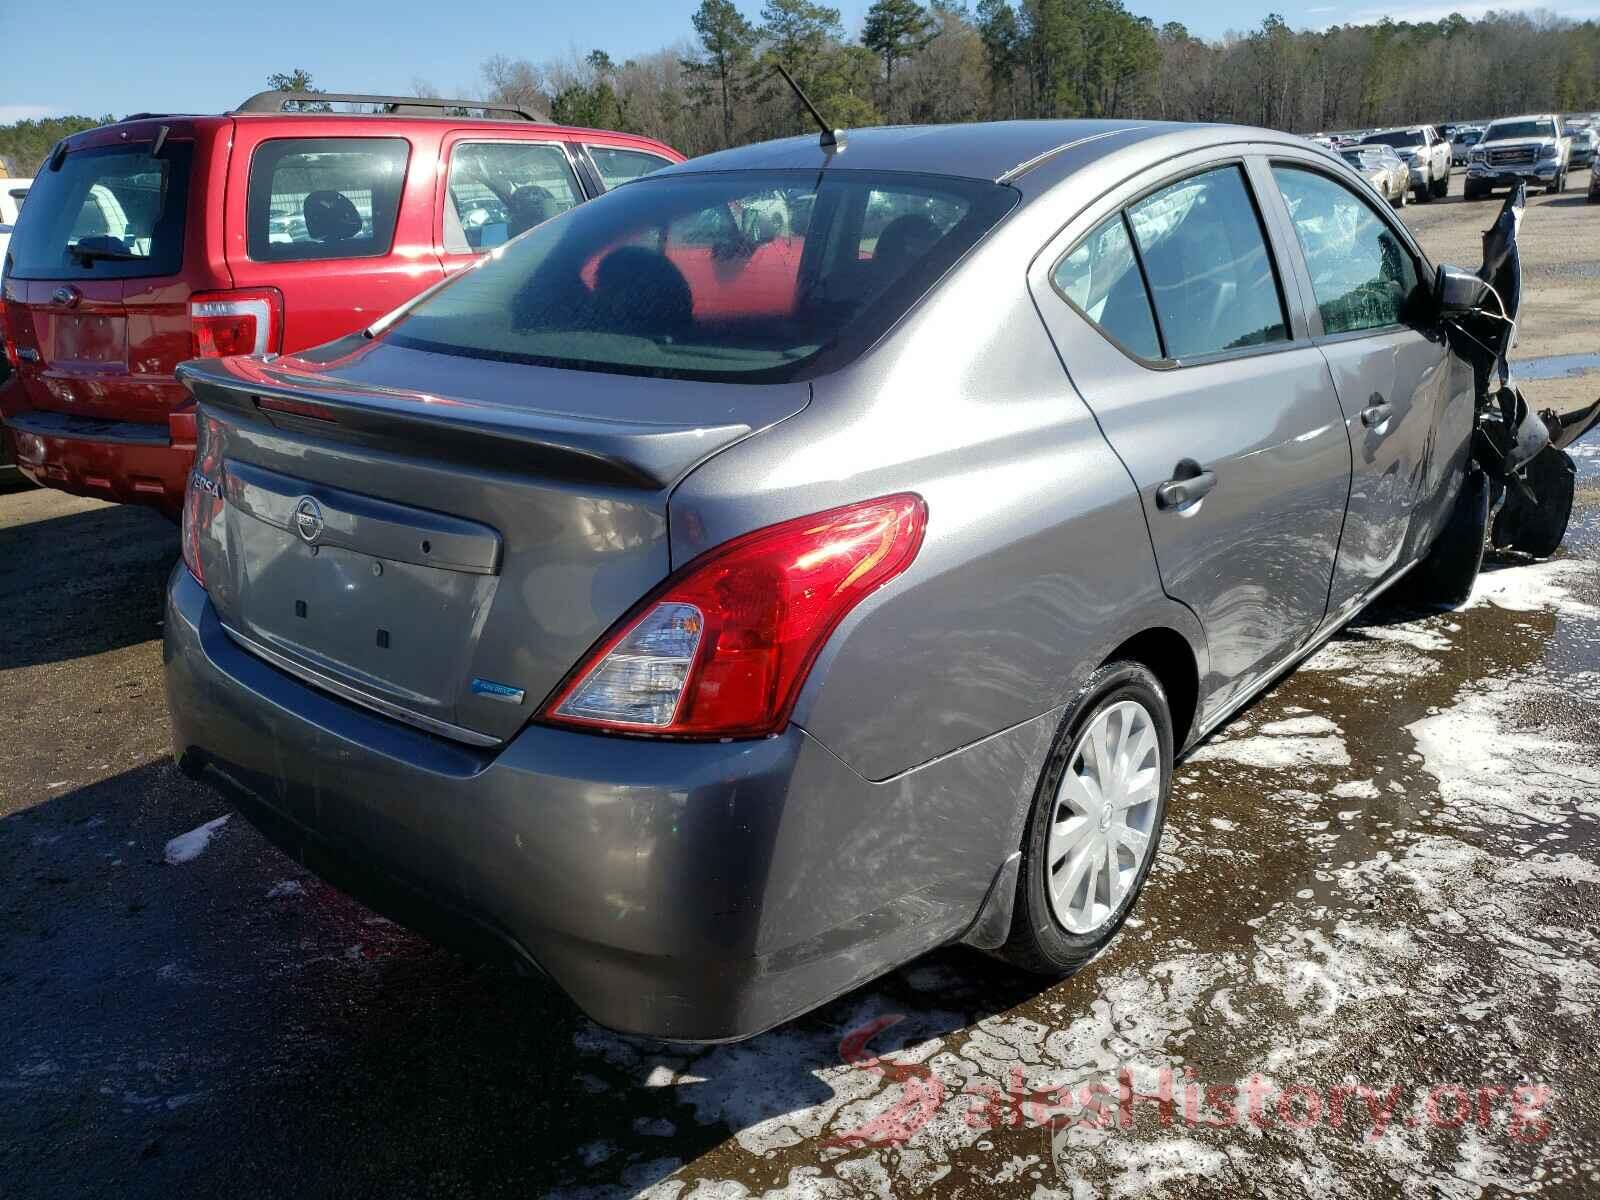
x=1557 y=185
x=1469 y=192
x=1441 y=187
x=1445 y=577
x=1538 y=528
x=1422 y=194
x=1039 y=942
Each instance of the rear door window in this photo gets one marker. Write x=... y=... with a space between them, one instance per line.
x=1211 y=275
x=500 y=189
x=1361 y=273
x=1100 y=278
x=317 y=198
x=113 y=212
x=618 y=166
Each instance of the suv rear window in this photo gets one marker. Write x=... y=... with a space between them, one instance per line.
x=112 y=212
x=741 y=275
x=501 y=189
x=314 y=198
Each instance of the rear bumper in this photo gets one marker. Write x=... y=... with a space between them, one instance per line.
x=691 y=891
x=132 y=462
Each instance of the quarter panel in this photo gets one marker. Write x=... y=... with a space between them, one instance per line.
x=1036 y=562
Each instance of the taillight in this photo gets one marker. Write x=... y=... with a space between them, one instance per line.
x=722 y=648
x=248 y=321
x=202 y=498
x=12 y=356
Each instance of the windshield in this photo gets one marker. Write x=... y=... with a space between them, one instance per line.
x=1357 y=159
x=733 y=276
x=1397 y=137
x=1503 y=130
x=107 y=213
x=1468 y=138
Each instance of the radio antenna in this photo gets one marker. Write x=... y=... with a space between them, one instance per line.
x=832 y=140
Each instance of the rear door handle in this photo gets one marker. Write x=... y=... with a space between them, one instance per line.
x=1376 y=415
x=1189 y=483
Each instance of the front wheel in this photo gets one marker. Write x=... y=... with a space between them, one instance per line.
x=1445 y=577
x=1096 y=821
x=1423 y=192
x=1441 y=187
x=1558 y=184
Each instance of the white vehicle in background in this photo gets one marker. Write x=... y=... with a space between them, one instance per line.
x=1528 y=149
x=1424 y=151
x=12 y=194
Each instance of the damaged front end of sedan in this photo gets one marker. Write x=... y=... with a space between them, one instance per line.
x=1520 y=450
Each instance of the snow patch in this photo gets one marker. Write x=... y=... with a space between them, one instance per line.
x=188 y=846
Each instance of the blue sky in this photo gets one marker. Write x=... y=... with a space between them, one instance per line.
x=92 y=56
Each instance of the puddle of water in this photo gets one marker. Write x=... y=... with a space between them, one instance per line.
x=1555 y=366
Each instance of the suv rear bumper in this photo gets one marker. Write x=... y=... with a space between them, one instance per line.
x=132 y=462
x=693 y=891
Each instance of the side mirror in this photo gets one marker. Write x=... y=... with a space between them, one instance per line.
x=1457 y=290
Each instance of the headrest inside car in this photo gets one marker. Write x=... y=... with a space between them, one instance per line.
x=331 y=217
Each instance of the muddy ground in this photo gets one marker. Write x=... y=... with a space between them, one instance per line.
x=1367 y=963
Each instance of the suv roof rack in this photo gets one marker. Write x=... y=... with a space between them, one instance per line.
x=391 y=106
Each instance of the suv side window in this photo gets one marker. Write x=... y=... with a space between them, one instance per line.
x=617 y=165
x=1212 y=281
x=500 y=189
x=322 y=198
x=1100 y=278
x=1361 y=272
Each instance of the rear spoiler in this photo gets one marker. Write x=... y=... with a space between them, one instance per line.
x=624 y=453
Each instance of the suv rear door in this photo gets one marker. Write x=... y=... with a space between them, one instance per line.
x=100 y=270
x=494 y=186
x=337 y=214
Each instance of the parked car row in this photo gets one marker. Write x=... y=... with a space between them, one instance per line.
x=786 y=562
x=268 y=229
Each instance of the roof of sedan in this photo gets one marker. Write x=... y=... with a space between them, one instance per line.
x=995 y=150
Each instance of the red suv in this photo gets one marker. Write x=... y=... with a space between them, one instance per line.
x=275 y=227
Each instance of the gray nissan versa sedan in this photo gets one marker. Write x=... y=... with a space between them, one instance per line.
x=810 y=555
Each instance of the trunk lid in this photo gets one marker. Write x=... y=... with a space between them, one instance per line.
x=443 y=539
x=96 y=295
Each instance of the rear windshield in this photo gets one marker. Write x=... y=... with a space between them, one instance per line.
x=761 y=276
x=1400 y=137
x=1502 y=130
x=108 y=213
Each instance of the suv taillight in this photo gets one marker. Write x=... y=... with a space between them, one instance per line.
x=721 y=649
x=247 y=321
x=12 y=356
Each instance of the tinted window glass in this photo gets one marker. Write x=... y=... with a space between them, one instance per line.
x=747 y=275
x=1400 y=138
x=316 y=198
x=1361 y=273
x=1211 y=277
x=618 y=166
x=1101 y=278
x=1503 y=130
x=111 y=213
x=500 y=189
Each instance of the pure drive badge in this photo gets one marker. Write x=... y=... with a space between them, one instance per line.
x=497 y=691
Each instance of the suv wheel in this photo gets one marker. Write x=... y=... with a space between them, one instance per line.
x=1423 y=192
x=1558 y=184
x=1096 y=821
x=1441 y=187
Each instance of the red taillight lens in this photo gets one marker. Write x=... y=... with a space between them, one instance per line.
x=202 y=498
x=722 y=648
x=241 y=322
x=12 y=356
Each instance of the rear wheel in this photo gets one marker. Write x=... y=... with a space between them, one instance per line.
x=1445 y=577
x=1096 y=821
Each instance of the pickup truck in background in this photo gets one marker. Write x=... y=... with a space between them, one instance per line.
x=1424 y=151
x=1528 y=149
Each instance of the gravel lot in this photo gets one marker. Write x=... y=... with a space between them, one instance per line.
x=1377 y=912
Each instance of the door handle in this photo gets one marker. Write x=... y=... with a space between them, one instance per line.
x=1376 y=415
x=1188 y=484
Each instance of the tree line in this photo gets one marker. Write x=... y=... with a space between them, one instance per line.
x=948 y=60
